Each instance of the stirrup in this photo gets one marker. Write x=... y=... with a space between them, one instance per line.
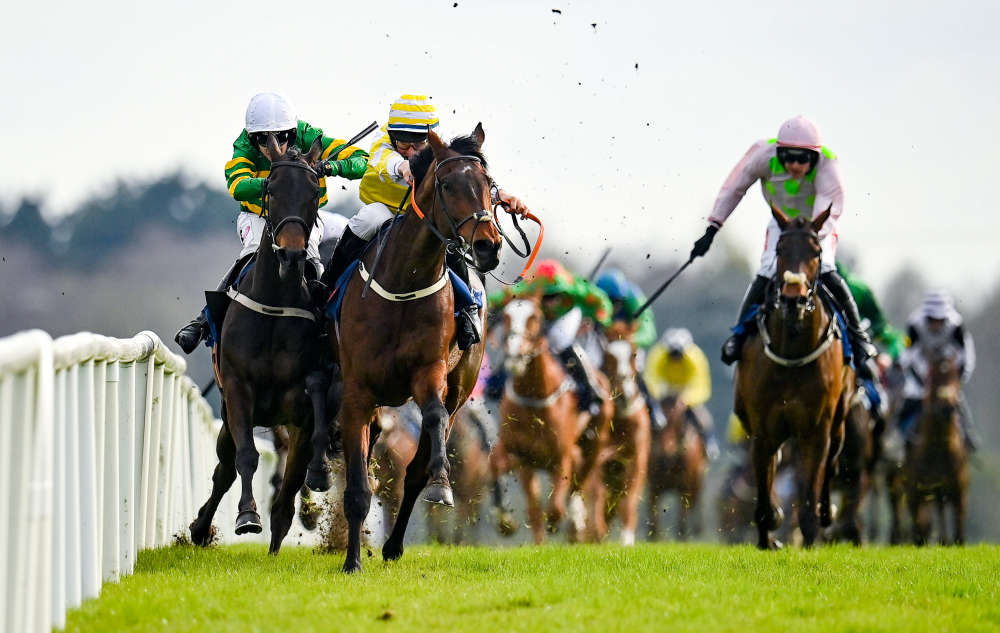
x=467 y=325
x=731 y=349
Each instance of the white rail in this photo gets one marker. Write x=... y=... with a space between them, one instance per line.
x=106 y=448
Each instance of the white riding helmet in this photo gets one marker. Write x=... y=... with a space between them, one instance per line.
x=270 y=112
x=677 y=339
x=799 y=132
x=938 y=304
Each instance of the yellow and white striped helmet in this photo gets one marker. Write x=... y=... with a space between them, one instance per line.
x=412 y=114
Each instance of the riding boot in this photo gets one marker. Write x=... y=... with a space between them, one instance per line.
x=967 y=424
x=733 y=346
x=495 y=383
x=860 y=341
x=319 y=293
x=195 y=332
x=656 y=415
x=587 y=396
x=708 y=443
x=349 y=248
x=469 y=328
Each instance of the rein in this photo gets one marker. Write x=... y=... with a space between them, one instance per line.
x=829 y=335
x=537 y=403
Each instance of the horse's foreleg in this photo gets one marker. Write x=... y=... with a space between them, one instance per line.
x=813 y=483
x=318 y=473
x=561 y=480
x=283 y=507
x=239 y=402
x=356 y=417
x=429 y=387
x=413 y=484
x=634 y=482
x=765 y=515
x=222 y=480
x=532 y=497
x=653 y=516
x=959 y=505
x=829 y=470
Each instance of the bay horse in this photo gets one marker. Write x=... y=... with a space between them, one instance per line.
x=793 y=382
x=676 y=462
x=855 y=467
x=268 y=356
x=618 y=487
x=936 y=465
x=541 y=427
x=395 y=338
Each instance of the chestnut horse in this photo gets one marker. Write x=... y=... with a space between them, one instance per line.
x=269 y=356
x=676 y=462
x=618 y=487
x=396 y=339
x=793 y=382
x=541 y=427
x=936 y=467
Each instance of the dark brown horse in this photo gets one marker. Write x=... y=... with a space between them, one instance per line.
x=541 y=427
x=265 y=362
x=854 y=469
x=676 y=462
x=396 y=340
x=619 y=485
x=793 y=382
x=936 y=467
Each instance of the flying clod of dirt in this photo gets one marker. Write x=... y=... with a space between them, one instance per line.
x=559 y=11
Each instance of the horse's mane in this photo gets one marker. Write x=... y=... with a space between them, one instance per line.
x=464 y=145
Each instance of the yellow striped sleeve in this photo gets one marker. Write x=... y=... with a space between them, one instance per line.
x=236 y=161
x=232 y=187
x=252 y=208
x=245 y=170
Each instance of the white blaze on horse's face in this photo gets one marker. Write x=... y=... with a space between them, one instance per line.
x=795 y=284
x=518 y=315
x=622 y=353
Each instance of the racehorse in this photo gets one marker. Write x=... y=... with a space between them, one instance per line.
x=936 y=467
x=268 y=356
x=309 y=510
x=395 y=338
x=618 y=487
x=793 y=382
x=540 y=425
x=676 y=462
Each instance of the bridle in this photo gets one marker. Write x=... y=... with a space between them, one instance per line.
x=274 y=230
x=805 y=303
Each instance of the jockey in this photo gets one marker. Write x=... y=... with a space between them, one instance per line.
x=568 y=302
x=269 y=112
x=383 y=188
x=677 y=367
x=798 y=175
x=626 y=299
x=935 y=324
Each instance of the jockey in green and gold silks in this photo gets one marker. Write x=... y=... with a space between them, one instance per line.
x=267 y=114
x=882 y=331
x=566 y=300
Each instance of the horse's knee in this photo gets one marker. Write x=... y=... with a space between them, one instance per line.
x=357 y=502
x=246 y=460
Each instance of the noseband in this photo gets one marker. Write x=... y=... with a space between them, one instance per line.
x=272 y=230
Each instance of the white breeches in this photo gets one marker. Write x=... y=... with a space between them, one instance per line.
x=563 y=330
x=366 y=222
x=250 y=227
x=769 y=259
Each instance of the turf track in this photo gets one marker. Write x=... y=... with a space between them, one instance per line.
x=556 y=588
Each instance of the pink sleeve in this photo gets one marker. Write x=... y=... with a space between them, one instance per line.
x=828 y=192
x=751 y=168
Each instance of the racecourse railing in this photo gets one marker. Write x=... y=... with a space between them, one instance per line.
x=106 y=448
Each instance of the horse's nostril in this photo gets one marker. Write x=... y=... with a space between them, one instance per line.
x=485 y=247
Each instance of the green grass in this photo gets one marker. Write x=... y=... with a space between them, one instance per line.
x=556 y=588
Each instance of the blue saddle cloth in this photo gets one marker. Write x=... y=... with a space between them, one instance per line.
x=749 y=325
x=213 y=333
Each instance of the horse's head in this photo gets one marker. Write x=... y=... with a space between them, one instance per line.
x=798 y=253
x=620 y=355
x=291 y=204
x=463 y=193
x=523 y=321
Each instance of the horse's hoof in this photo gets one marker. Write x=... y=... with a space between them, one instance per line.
x=203 y=538
x=391 y=551
x=351 y=566
x=318 y=480
x=777 y=517
x=309 y=515
x=440 y=494
x=775 y=545
x=507 y=525
x=248 y=522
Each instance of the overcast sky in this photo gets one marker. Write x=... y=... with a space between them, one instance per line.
x=906 y=93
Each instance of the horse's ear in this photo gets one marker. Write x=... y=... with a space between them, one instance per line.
x=272 y=146
x=437 y=145
x=478 y=134
x=821 y=219
x=780 y=217
x=314 y=151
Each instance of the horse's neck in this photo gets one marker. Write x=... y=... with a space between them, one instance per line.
x=266 y=286
x=789 y=343
x=413 y=257
x=541 y=377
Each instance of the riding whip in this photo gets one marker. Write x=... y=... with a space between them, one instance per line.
x=659 y=290
x=600 y=263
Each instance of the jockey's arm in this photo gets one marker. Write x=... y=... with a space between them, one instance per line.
x=968 y=352
x=346 y=162
x=513 y=203
x=645 y=335
x=241 y=170
x=698 y=389
x=829 y=194
x=751 y=168
x=654 y=372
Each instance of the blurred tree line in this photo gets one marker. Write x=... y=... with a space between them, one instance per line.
x=139 y=257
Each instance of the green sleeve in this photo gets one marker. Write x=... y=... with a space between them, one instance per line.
x=352 y=167
x=645 y=336
x=593 y=301
x=242 y=169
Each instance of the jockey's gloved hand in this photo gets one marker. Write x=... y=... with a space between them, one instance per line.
x=328 y=168
x=701 y=246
